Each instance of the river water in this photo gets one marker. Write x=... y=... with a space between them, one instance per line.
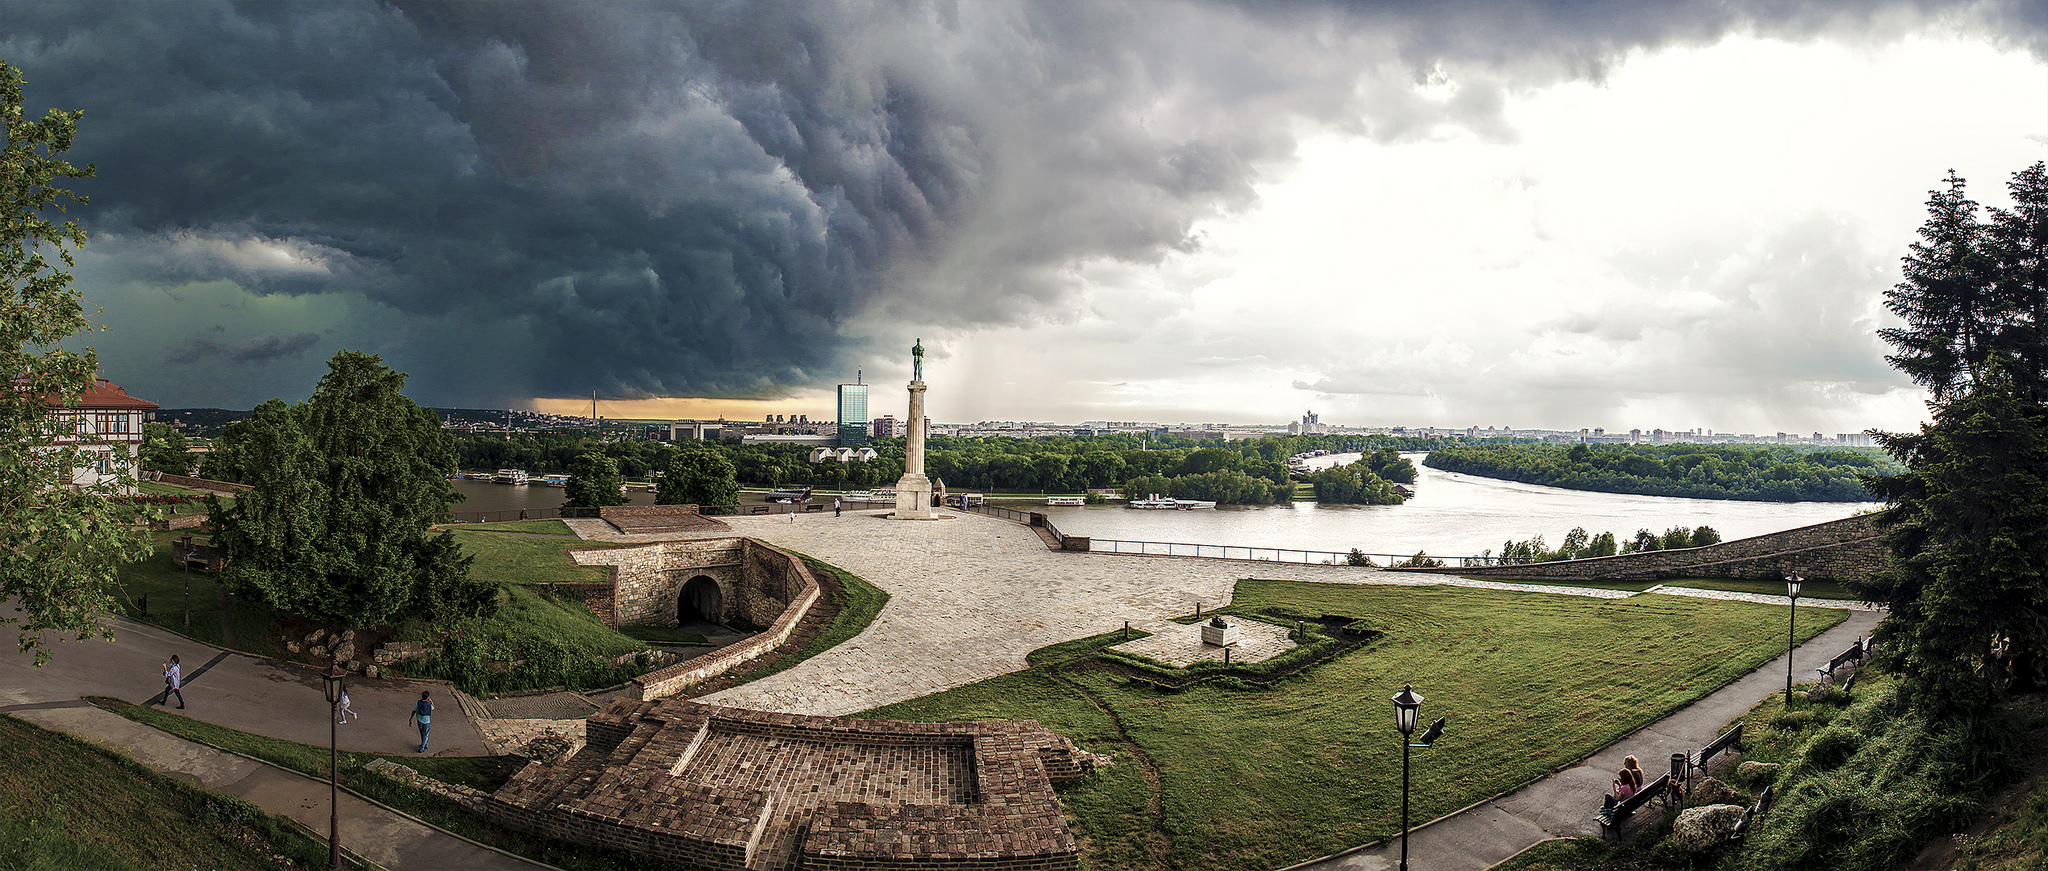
x=1452 y=514
x=487 y=496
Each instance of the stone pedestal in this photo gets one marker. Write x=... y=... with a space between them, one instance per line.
x=914 y=490
x=1221 y=636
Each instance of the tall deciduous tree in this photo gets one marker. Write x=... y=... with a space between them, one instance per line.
x=594 y=482
x=699 y=477
x=59 y=545
x=346 y=486
x=163 y=450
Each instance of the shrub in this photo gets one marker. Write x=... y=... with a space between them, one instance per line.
x=1831 y=747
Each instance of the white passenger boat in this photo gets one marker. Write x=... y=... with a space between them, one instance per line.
x=1156 y=502
x=555 y=479
x=1065 y=500
x=885 y=497
x=510 y=476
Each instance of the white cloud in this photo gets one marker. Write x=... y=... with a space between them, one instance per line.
x=1700 y=239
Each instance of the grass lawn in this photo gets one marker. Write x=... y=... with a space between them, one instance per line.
x=536 y=527
x=72 y=805
x=1258 y=779
x=482 y=772
x=511 y=559
x=164 y=584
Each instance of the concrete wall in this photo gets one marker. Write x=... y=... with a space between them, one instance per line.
x=1837 y=550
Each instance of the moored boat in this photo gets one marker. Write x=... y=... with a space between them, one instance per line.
x=1065 y=500
x=510 y=476
x=887 y=497
x=1156 y=502
x=555 y=479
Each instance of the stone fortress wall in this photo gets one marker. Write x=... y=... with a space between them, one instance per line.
x=1836 y=550
x=730 y=789
x=756 y=583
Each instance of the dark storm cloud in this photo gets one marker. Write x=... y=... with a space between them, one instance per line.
x=258 y=350
x=700 y=198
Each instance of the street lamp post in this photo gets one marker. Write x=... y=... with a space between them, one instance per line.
x=1792 y=582
x=331 y=682
x=1407 y=704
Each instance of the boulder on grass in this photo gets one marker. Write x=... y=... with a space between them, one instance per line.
x=370 y=671
x=317 y=651
x=1704 y=828
x=1757 y=772
x=1711 y=791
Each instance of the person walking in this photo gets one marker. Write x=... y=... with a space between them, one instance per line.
x=346 y=711
x=423 y=716
x=792 y=513
x=174 y=681
x=835 y=506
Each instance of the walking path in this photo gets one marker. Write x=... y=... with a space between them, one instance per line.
x=262 y=697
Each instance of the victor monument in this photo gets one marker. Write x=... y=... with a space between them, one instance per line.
x=914 y=491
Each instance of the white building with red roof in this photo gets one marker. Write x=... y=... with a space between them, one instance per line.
x=104 y=417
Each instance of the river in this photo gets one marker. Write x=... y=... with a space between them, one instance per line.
x=1451 y=514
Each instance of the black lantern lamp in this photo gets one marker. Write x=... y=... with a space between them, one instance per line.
x=331 y=682
x=1792 y=582
x=1407 y=705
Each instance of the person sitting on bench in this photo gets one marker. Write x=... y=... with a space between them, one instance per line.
x=1625 y=786
x=1633 y=771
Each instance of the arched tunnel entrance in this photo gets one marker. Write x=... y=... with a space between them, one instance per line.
x=700 y=602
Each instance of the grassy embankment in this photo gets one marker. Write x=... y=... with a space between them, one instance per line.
x=73 y=805
x=1862 y=782
x=1833 y=590
x=1223 y=778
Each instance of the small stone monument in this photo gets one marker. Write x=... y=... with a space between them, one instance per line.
x=1219 y=633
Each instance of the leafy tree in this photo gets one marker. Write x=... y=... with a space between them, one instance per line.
x=1705 y=535
x=699 y=477
x=594 y=482
x=346 y=485
x=60 y=545
x=163 y=450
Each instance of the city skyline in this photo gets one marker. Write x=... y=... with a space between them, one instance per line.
x=1662 y=214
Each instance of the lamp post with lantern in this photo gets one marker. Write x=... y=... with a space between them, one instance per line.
x=1792 y=583
x=1407 y=704
x=330 y=681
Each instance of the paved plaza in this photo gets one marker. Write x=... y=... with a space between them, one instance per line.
x=970 y=596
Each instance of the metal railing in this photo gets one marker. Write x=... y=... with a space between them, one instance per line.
x=1218 y=551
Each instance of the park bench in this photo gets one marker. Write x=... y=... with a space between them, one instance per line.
x=1761 y=807
x=1853 y=654
x=758 y=509
x=1728 y=739
x=820 y=506
x=1611 y=818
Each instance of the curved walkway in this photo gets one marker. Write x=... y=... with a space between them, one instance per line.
x=262 y=697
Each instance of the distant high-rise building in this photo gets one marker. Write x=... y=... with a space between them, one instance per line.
x=853 y=414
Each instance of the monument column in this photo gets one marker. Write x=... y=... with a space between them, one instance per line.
x=914 y=490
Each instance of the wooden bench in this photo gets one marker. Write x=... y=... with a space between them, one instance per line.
x=1728 y=739
x=758 y=509
x=1611 y=818
x=1853 y=654
x=1761 y=807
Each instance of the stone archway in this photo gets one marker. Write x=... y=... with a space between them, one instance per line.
x=700 y=601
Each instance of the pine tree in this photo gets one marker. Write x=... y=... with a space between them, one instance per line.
x=1944 y=298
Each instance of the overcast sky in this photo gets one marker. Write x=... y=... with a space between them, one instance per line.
x=1543 y=214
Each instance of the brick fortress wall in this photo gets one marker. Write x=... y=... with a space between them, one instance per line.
x=1837 y=550
x=758 y=583
x=724 y=788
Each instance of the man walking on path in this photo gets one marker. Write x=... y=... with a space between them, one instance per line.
x=174 y=681
x=835 y=506
x=423 y=714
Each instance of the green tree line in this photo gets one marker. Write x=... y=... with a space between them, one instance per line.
x=1056 y=465
x=1754 y=473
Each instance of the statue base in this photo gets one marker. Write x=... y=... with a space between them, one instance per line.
x=914 y=498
